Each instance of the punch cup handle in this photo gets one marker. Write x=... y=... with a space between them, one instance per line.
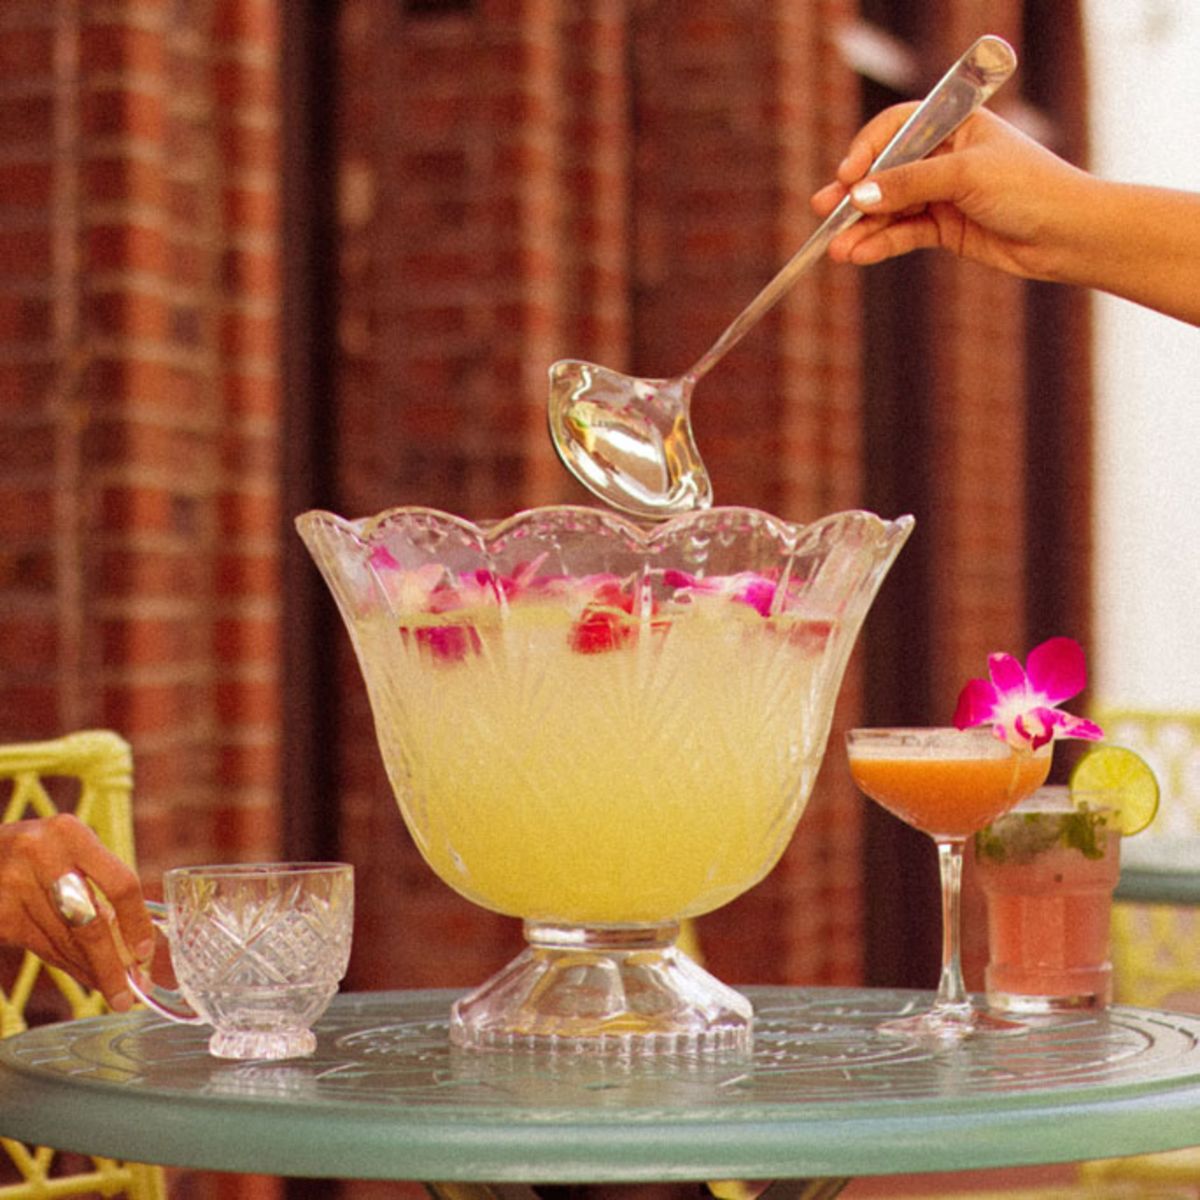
x=165 y=1001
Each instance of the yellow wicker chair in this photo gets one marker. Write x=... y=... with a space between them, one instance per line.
x=1156 y=947
x=90 y=773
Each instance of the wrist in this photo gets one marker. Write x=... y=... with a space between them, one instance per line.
x=1077 y=230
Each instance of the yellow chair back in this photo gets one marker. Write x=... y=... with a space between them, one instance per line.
x=1170 y=743
x=1156 y=947
x=91 y=774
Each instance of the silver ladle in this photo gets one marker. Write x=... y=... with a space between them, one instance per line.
x=629 y=440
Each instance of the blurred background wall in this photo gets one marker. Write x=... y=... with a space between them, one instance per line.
x=1145 y=103
x=256 y=257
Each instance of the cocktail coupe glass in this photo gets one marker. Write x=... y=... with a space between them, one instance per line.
x=948 y=783
x=603 y=730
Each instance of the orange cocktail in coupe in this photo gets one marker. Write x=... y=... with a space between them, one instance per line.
x=948 y=783
x=953 y=796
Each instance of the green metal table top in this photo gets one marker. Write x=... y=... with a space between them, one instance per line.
x=823 y=1095
x=1157 y=871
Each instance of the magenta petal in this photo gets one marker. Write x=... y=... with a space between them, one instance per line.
x=1007 y=674
x=977 y=704
x=678 y=579
x=1058 y=669
x=1077 y=727
x=759 y=594
x=381 y=558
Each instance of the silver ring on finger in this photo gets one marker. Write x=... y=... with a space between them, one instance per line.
x=71 y=897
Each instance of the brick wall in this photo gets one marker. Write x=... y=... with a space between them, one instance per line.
x=138 y=362
x=139 y=403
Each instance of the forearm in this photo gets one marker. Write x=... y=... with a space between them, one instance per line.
x=1137 y=242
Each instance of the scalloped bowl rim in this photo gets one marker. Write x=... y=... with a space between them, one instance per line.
x=494 y=529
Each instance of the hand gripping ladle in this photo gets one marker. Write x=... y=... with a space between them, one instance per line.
x=629 y=440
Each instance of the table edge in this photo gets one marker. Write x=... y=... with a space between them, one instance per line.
x=99 y=1118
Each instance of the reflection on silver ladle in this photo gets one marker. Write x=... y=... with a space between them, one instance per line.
x=629 y=440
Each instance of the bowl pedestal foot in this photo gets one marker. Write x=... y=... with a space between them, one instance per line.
x=618 y=991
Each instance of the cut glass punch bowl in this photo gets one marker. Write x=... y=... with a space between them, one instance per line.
x=603 y=730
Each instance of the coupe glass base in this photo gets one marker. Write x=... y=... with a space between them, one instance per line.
x=950 y=1024
x=262 y=1043
x=625 y=992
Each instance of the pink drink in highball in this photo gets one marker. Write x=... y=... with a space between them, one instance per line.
x=1048 y=869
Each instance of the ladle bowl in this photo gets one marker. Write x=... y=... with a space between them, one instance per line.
x=629 y=439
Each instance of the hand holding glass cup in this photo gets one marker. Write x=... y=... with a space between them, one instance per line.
x=258 y=950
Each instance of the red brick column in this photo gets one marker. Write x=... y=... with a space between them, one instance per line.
x=978 y=433
x=139 y=408
x=820 y=390
x=138 y=308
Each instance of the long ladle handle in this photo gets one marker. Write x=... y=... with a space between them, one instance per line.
x=968 y=84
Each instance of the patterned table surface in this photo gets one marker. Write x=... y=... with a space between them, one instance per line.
x=823 y=1095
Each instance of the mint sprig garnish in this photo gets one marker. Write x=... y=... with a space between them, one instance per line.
x=1021 y=837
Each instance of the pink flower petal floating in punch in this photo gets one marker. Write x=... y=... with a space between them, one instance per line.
x=426 y=590
x=607 y=623
x=1022 y=702
x=748 y=587
x=406 y=591
x=608 y=614
x=523 y=580
x=449 y=643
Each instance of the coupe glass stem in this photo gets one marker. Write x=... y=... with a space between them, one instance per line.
x=952 y=998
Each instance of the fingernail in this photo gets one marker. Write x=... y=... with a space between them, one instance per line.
x=866 y=194
x=144 y=950
x=121 y=1002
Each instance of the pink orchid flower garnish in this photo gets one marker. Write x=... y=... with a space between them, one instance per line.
x=1022 y=702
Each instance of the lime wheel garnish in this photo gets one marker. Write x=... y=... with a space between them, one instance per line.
x=1115 y=777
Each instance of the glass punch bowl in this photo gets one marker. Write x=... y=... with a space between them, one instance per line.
x=603 y=730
